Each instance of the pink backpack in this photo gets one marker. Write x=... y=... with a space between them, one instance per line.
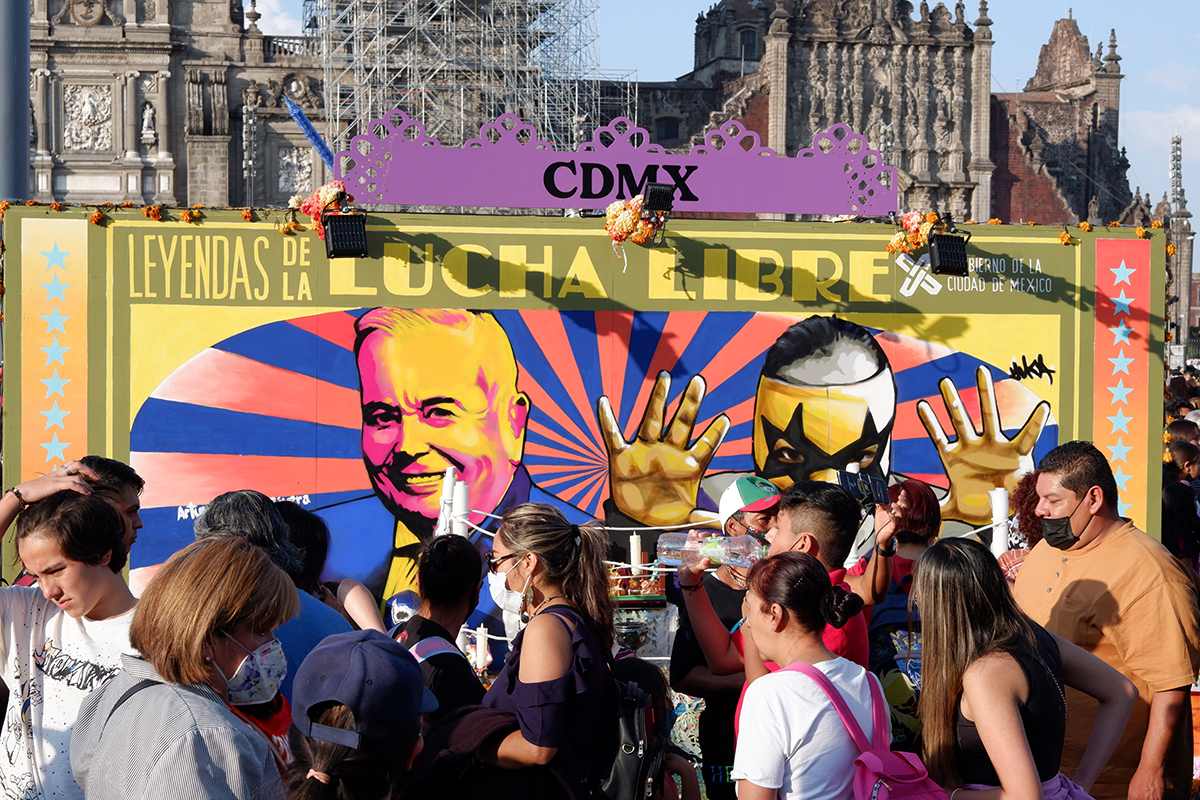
x=879 y=773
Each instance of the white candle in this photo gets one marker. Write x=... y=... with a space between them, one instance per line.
x=635 y=552
x=999 y=499
x=462 y=507
x=481 y=648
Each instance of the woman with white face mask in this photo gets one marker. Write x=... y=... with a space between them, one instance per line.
x=555 y=679
x=205 y=628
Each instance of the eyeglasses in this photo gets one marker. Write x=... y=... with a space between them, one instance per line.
x=493 y=562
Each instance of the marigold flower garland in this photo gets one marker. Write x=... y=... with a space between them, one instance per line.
x=628 y=220
x=315 y=206
x=913 y=231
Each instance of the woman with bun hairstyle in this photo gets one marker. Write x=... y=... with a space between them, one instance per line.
x=993 y=709
x=556 y=679
x=792 y=744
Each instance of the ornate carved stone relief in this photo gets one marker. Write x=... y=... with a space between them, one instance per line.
x=88 y=110
x=84 y=12
x=300 y=89
x=295 y=171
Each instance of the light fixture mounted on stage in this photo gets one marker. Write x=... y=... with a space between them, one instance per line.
x=657 y=202
x=345 y=230
x=948 y=249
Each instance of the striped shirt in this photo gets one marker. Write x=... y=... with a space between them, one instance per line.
x=167 y=742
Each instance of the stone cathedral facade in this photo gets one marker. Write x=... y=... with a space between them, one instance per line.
x=917 y=83
x=181 y=102
x=168 y=101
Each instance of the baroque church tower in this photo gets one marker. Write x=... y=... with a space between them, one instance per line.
x=916 y=82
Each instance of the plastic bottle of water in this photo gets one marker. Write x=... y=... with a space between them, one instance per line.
x=737 y=551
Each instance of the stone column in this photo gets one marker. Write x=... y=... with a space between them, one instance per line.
x=39 y=24
x=41 y=105
x=775 y=59
x=131 y=114
x=130 y=13
x=981 y=166
x=43 y=162
x=164 y=165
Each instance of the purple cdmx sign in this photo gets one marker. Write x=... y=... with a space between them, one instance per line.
x=508 y=166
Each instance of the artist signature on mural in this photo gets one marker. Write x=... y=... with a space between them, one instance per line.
x=1037 y=369
x=193 y=510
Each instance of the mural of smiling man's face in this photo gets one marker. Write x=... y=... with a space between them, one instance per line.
x=826 y=400
x=438 y=390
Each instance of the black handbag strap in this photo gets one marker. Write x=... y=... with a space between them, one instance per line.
x=130 y=692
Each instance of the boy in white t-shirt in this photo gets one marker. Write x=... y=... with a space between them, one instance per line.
x=61 y=640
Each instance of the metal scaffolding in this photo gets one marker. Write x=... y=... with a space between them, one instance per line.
x=457 y=64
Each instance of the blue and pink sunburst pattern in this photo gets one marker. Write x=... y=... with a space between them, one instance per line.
x=276 y=408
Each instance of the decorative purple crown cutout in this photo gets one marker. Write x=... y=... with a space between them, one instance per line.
x=509 y=166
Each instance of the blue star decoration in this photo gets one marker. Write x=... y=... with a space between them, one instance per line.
x=54 y=417
x=54 y=321
x=1119 y=451
x=55 y=257
x=54 y=353
x=55 y=448
x=1122 y=304
x=1123 y=508
x=1121 y=478
x=1119 y=392
x=1121 y=274
x=1121 y=333
x=55 y=385
x=55 y=289
x=1120 y=422
x=1121 y=363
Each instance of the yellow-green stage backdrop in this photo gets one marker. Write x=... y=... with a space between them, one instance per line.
x=224 y=354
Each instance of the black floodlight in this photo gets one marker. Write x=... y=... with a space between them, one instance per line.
x=658 y=197
x=345 y=231
x=657 y=202
x=948 y=250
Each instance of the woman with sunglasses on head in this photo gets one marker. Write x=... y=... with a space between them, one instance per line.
x=556 y=677
x=993 y=708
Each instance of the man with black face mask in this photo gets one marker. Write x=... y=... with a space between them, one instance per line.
x=1098 y=581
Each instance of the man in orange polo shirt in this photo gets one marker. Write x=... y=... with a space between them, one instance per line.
x=1098 y=581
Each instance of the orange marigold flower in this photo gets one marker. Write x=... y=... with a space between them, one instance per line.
x=153 y=212
x=96 y=218
x=32 y=203
x=932 y=216
x=198 y=205
x=106 y=205
x=1031 y=223
x=127 y=204
x=1171 y=249
x=1065 y=237
x=247 y=215
x=185 y=215
x=1140 y=231
x=1114 y=224
x=995 y=221
x=1085 y=226
x=56 y=206
x=1156 y=223
x=969 y=222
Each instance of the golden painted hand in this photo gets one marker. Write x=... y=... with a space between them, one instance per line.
x=977 y=462
x=655 y=479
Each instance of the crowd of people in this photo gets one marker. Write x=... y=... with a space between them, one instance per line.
x=1062 y=671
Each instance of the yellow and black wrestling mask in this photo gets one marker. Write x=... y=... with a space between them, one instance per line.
x=809 y=432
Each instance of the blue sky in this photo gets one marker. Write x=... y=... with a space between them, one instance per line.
x=1159 y=46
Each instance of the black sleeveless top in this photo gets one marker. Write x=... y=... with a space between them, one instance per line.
x=1044 y=715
